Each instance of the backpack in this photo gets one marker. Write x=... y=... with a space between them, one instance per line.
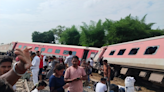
x=111 y=74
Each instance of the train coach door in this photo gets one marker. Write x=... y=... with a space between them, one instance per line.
x=85 y=54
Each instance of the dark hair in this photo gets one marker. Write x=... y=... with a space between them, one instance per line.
x=88 y=61
x=54 y=56
x=46 y=59
x=51 y=58
x=33 y=53
x=70 y=52
x=6 y=59
x=37 y=51
x=76 y=57
x=91 y=58
x=59 y=67
x=41 y=83
x=103 y=79
x=105 y=61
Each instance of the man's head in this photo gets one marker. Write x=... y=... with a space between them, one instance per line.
x=70 y=52
x=42 y=85
x=88 y=62
x=38 y=53
x=5 y=65
x=105 y=62
x=91 y=58
x=83 y=61
x=75 y=61
x=33 y=55
x=103 y=80
x=51 y=58
x=54 y=57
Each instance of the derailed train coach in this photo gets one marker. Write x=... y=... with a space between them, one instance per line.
x=58 y=50
x=141 y=58
x=5 y=48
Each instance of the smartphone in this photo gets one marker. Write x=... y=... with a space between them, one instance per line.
x=78 y=78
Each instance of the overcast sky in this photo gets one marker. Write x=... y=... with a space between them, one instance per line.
x=19 y=18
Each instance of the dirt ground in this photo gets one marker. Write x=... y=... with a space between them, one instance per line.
x=96 y=77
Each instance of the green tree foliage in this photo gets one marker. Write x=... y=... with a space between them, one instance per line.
x=97 y=34
x=70 y=36
x=129 y=29
x=45 y=37
x=58 y=31
x=92 y=35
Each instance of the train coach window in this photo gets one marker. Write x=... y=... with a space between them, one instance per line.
x=92 y=54
x=151 y=50
x=36 y=48
x=121 y=52
x=74 y=53
x=20 y=46
x=133 y=51
x=24 y=47
x=65 y=52
x=112 y=52
x=57 y=51
x=49 y=50
x=42 y=49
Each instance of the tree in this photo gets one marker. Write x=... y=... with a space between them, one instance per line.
x=92 y=35
x=45 y=37
x=36 y=36
x=70 y=36
x=57 y=32
x=129 y=29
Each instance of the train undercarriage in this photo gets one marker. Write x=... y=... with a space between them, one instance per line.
x=153 y=76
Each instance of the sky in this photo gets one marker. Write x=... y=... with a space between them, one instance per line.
x=19 y=18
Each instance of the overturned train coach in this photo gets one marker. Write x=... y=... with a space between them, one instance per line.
x=52 y=49
x=141 y=58
x=5 y=48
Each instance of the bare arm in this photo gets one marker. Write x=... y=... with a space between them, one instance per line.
x=20 y=68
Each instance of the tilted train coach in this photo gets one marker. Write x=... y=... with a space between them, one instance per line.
x=144 y=58
x=53 y=49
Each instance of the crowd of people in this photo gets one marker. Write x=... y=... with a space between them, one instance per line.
x=61 y=72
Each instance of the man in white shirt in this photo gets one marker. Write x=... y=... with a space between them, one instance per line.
x=91 y=62
x=68 y=59
x=35 y=68
x=44 y=61
x=101 y=86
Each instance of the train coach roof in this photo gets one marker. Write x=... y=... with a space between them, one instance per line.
x=60 y=45
x=141 y=40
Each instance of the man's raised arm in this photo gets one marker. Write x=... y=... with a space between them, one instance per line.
x=19 y=68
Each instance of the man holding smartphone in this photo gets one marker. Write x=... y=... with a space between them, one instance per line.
x=74 y=76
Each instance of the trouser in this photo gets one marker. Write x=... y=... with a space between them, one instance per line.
x=88 y=78
x=108 y=84
x=35 y=76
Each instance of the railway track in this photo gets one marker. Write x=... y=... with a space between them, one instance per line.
x=22 y=86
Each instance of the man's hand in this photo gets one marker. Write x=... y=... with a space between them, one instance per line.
x=24 y=57
x=65 y=86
